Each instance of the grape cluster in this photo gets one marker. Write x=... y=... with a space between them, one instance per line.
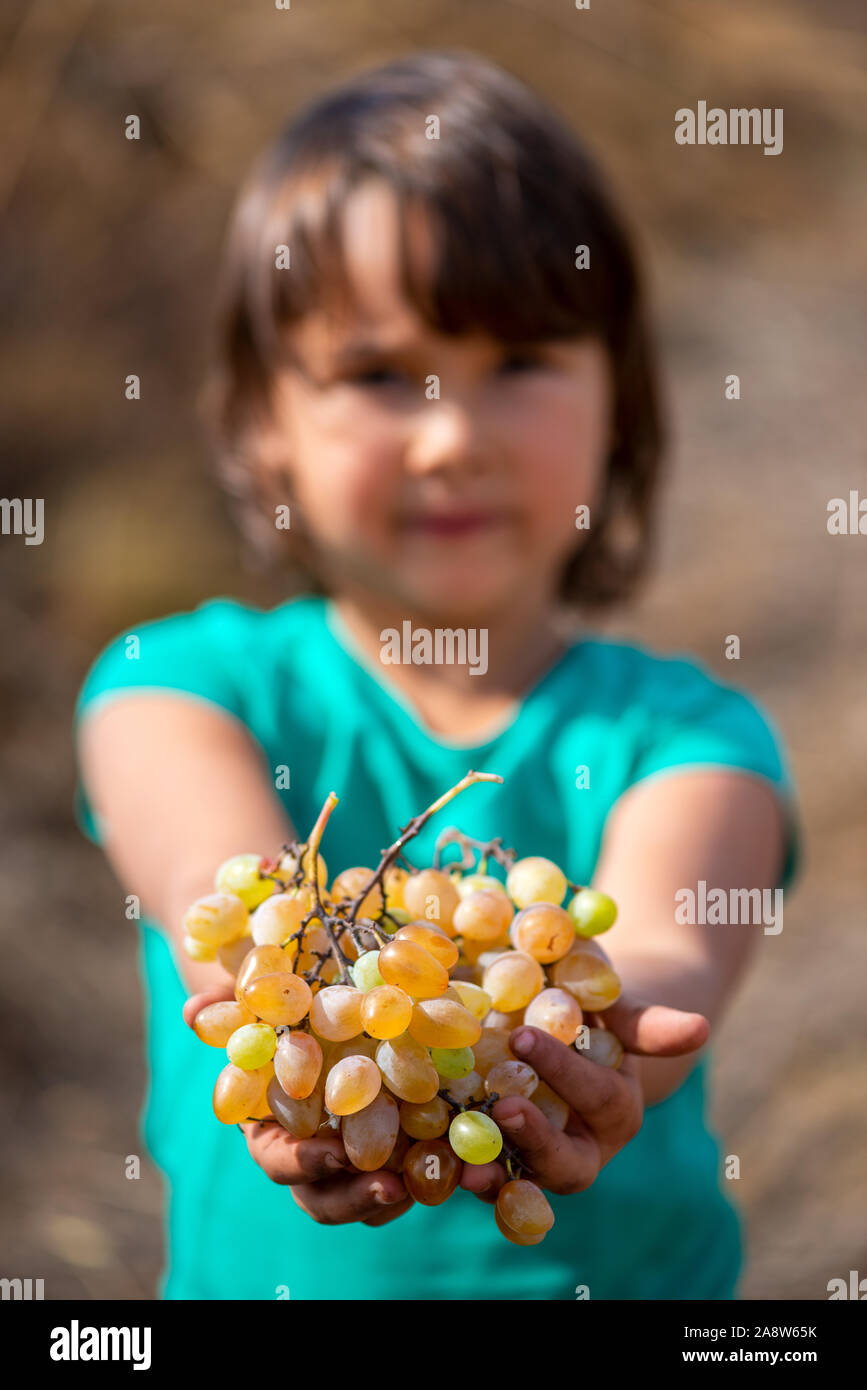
x=383 y=1006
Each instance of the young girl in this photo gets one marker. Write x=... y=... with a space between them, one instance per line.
x=419 y=362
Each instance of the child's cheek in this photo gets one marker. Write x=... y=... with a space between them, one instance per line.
x=348 y=496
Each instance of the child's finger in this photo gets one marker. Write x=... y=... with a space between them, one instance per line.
x=341 y=1200
x=209 y=996
x=654 y=1030
x=592 y=1091
x=484 y=1180
x=561 y=1162
x=289 y=1161
x=389 y=1213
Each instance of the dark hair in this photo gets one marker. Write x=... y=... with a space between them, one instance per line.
x=511 y=194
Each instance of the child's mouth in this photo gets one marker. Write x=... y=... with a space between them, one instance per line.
x=453 y=524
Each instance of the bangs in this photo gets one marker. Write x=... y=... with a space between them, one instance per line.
x=506 y=192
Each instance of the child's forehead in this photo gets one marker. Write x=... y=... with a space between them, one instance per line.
x=372 y=226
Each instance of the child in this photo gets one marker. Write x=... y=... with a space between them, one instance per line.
x=435 y=385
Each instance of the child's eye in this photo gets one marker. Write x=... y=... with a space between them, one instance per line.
x=520 y=362
x=378 y=376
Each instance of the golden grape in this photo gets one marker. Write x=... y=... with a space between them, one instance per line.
x=335 y=1013
x=216 y=1023
x=369 y=1134
x=407 y=1069
x=352 y=1084
x=545 y=932
x=279 y=998
x=298 y=1063
x=557 y=1012
x=413 y=969
x=513 y=980
x=386 y=1011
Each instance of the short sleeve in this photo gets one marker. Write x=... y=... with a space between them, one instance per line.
x=694 y=720
x=191 y=653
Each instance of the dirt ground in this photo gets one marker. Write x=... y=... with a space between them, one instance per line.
x=757 y=267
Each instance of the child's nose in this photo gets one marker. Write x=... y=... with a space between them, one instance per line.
x=445 y=435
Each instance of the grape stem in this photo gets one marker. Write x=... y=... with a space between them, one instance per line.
x=513 y=1158
x=411 y=830
x=486 y=849
x=311 y=877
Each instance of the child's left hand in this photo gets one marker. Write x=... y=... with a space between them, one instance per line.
x=607 y=1106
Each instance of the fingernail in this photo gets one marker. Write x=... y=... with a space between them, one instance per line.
x=524 y=1043
x=382 y=1196
x=332 y=1161
x=513 y=1122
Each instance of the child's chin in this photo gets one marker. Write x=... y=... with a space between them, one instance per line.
x=461 y=596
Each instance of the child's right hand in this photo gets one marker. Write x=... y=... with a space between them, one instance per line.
x=323 y=1181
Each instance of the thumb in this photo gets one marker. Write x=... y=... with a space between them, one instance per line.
x=208 y=996
x=655 y=1030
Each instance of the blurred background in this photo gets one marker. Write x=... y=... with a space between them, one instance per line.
x=110 y=250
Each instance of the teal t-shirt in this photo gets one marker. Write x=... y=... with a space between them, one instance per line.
x=656 y=1223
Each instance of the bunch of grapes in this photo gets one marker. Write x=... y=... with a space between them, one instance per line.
x=383 y=1005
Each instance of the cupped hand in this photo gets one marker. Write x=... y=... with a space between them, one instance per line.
x=606 y=1107
x=323 y=1182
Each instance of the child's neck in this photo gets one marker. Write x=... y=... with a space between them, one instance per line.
x=519 y=647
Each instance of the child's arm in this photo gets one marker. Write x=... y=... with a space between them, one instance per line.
x=180 y=786
x=664 y=835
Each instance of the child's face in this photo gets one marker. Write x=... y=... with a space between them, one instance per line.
x=456 y=505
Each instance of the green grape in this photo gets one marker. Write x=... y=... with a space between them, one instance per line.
x=592 y=912
x=453 y=1062
x=535 y=880
x=240 y=875
x=251 y=1046
x=475 y=1137
x=400 y=918
x=365 y=972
